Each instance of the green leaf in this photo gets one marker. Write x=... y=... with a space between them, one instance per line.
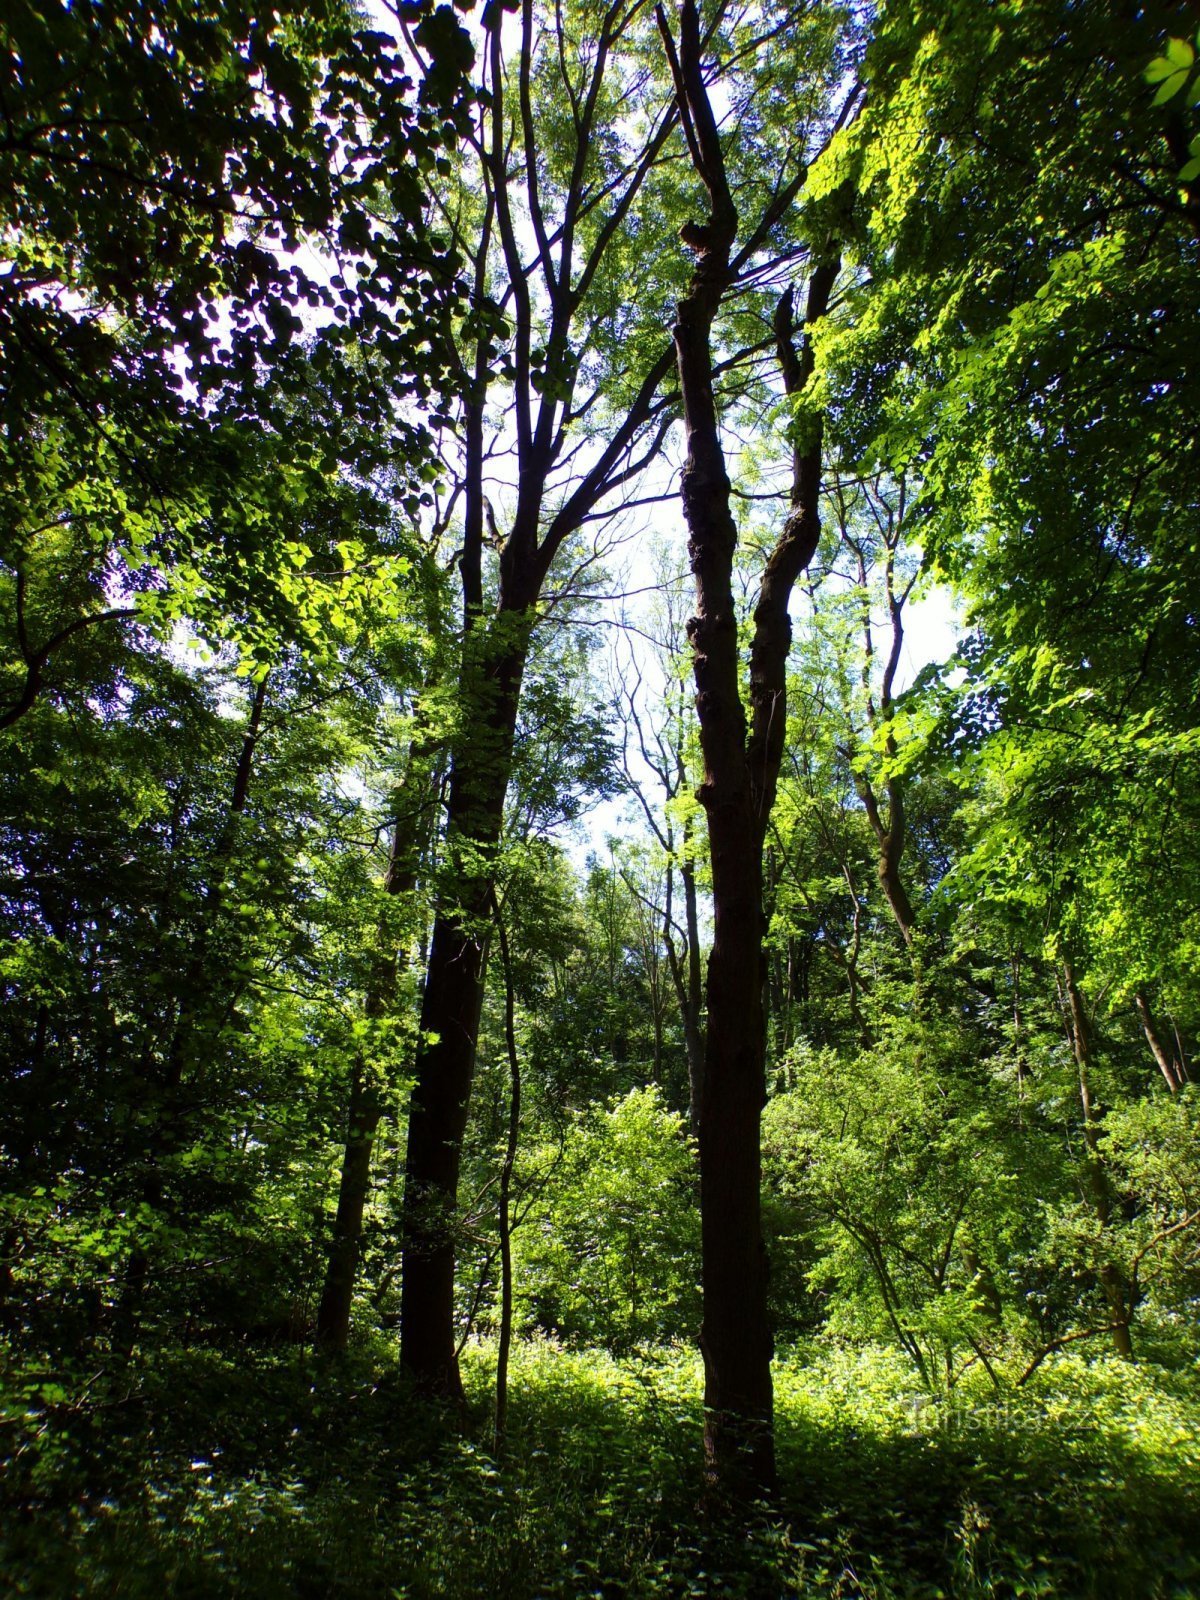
x=1171 y=69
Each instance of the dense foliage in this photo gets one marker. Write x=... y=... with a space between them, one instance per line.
x=364 y=852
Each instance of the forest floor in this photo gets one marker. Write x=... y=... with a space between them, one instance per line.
x=265 y=1475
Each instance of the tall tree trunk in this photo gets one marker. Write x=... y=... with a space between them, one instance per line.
x=547 y=303
x=1096 y=1174
x=735 y=1337
x=741 y=771
x=333 y=1313
x=453 y=999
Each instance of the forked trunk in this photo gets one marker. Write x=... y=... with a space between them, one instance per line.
x=741 y=771
x=545 y=280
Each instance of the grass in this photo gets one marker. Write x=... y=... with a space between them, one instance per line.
x=269 y=1476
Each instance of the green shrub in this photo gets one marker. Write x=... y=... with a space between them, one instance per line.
x=276 y=1477
x=609 y=1253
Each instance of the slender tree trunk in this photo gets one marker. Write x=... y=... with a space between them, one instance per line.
x=687 y=977
x=1018 y=1032
x=333 y=1313
x=1111 y=1282
x=887 y=867
x=890 y=834
x=692 y=1004
x=1168 y=1065
x=1181 y=1060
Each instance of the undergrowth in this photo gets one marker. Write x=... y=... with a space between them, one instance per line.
x=270 y=1475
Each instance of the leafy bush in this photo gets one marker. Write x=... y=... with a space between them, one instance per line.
x=609 y=1254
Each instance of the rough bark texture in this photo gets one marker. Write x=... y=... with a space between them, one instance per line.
x=735 y=1336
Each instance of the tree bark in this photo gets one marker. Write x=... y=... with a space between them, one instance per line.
x=735 y=1337
x=452 y=1002
x=547 y=303
x=741 y=770
x=333 y=1313
x=1168 y=1064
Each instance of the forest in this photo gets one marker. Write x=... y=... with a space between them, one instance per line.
x=600 y=799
